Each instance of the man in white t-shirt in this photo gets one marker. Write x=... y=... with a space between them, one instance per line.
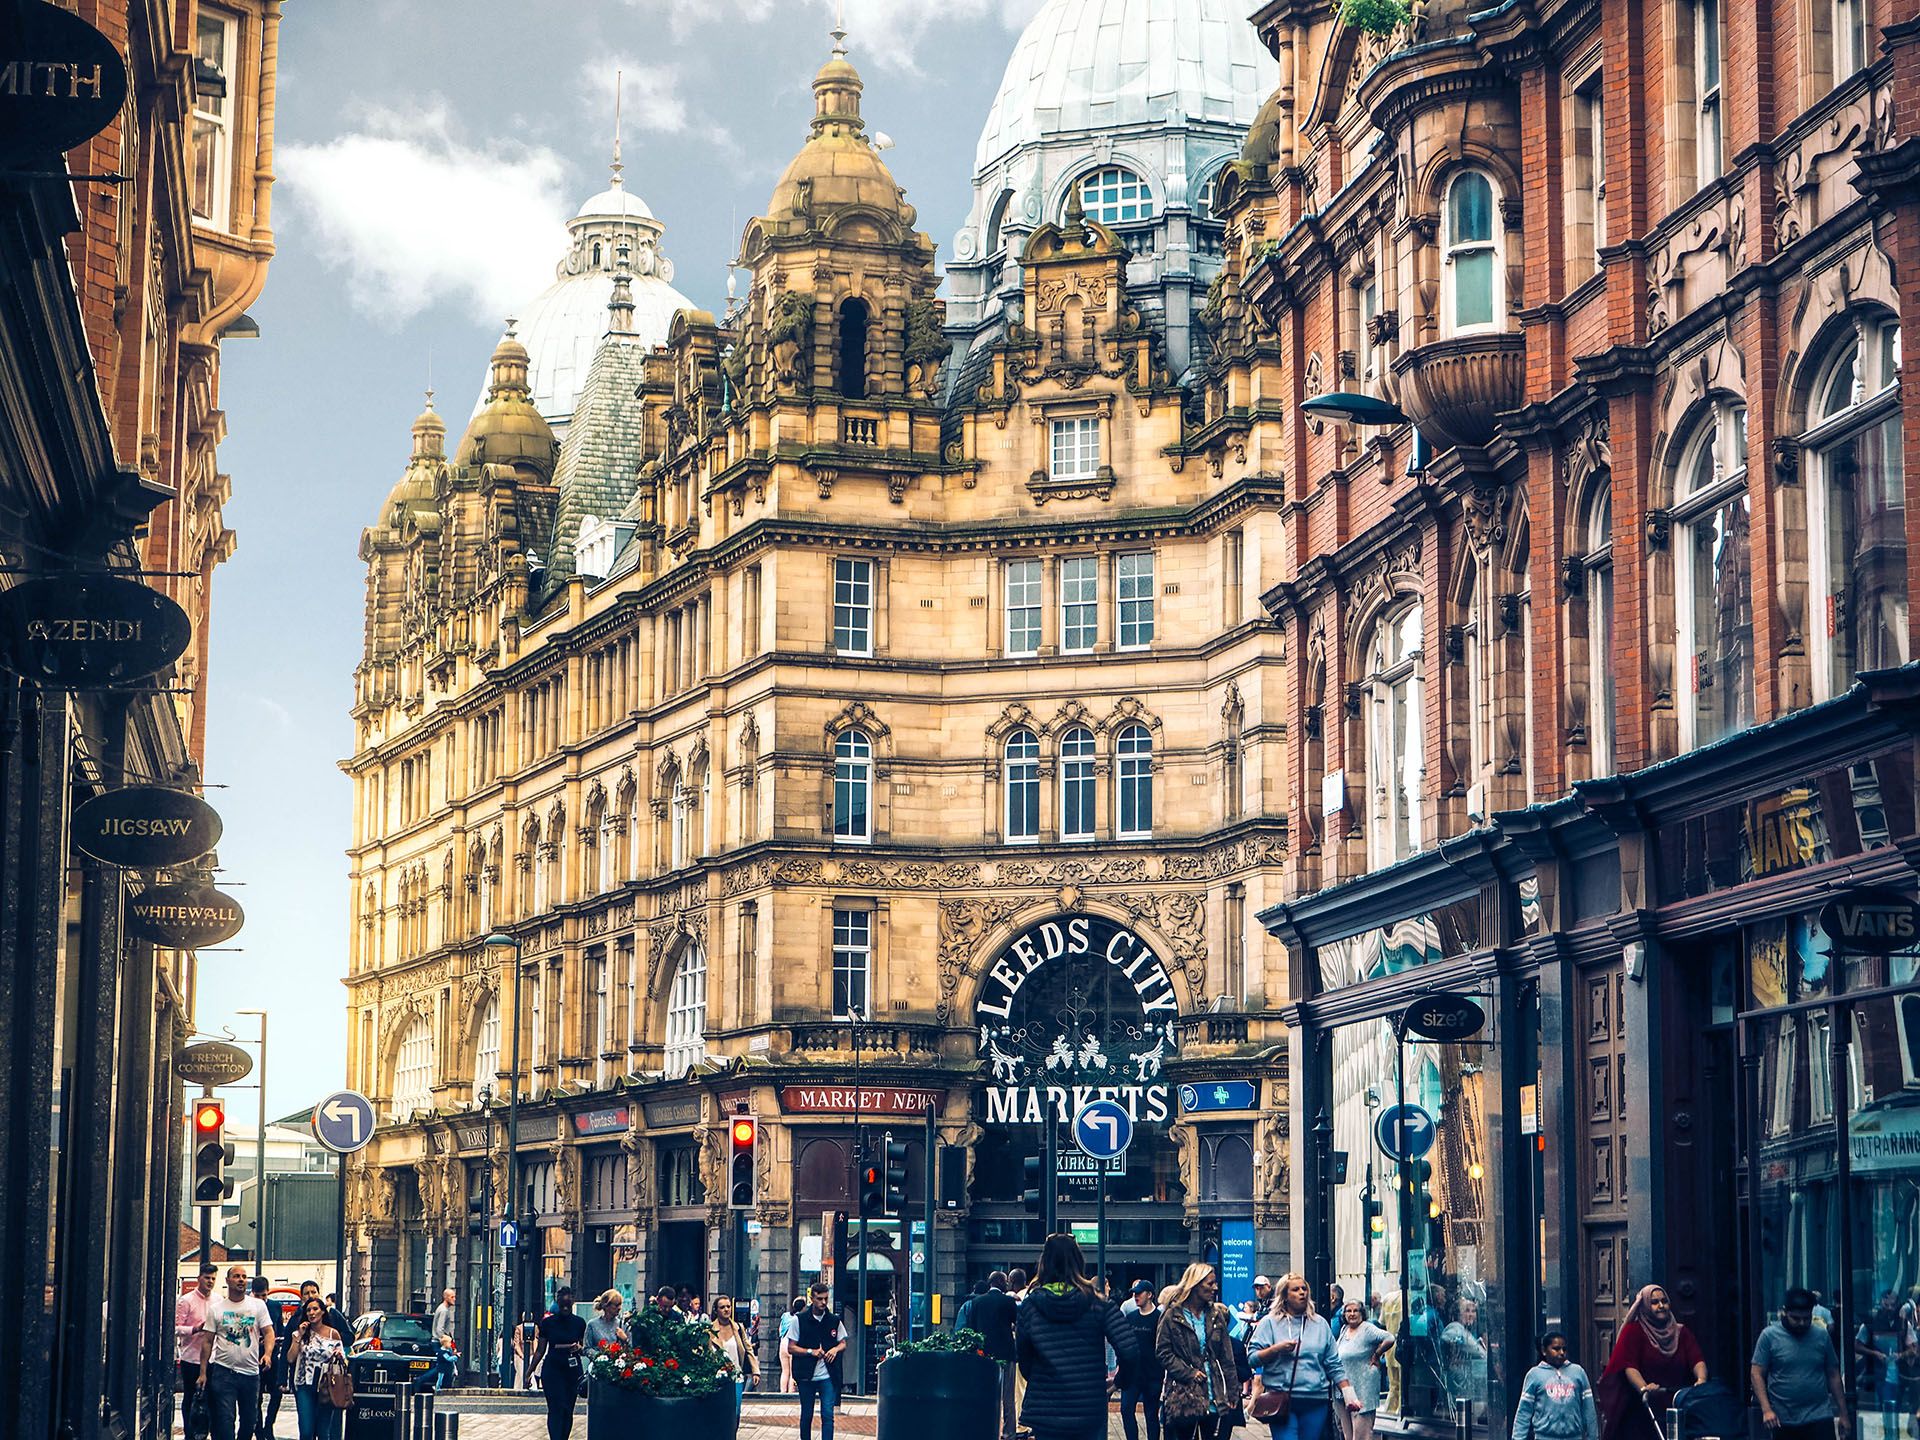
x=241 y=1346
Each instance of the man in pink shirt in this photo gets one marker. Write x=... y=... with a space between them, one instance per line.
x=190 y=1340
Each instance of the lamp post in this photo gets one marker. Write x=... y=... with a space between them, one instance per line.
x=488 y=1346
x=857 y=1021
x=1348 y=407
x=260 y=1156
x=1367 y=1203
x=1323 y=1172
x=497 y=942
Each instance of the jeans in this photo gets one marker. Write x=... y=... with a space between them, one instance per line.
x=1307 y=1419
x=1142 y=1391
x=561 y=1382
x=189 y=1382
x=318 y=1419
x=824 y=1390
x=1202 y=1429
x=1008 y=1416
x=235 y=1401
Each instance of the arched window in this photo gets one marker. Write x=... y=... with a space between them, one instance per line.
x=853 y=787
x=1859 y=519
x=413 y=1069
x=1396 y=766
x=486 y=1051
x=1115 y=196
x=1203 y=198
x=1023 y=787
x=854 y=322
x=687 y=1013
x=1597 y=567
x=1713 y=586
x=996 y=222
x=1133 y=776
x=1472 y=281
x=1076 y=784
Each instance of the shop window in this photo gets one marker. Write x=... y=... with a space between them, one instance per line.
x=855 y=320
x=1133 y=589
x=853 y=607
x=1115 y=196
x=1077 y=784
x=1133 y=773
x=1713 y=582
x=1597 y=591
x=679 y=1167
x=1472 y=277
x=1859 y=520
x=1075 y=448
x=1396 y=765
x=853 y=787
x=413 y=1069
x=1023 y=607
x=486 y=1054
x=852 y=963
x=687 y=1013
x=1023 y=787
x=1079 y=604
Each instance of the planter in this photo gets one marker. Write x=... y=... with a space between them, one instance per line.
x=617 y=1414
x=939 y=1397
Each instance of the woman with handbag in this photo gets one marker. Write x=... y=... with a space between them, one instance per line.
x=730 y=1336
x=1195 y=1350
x=1297 y=1366
x=317 y=1365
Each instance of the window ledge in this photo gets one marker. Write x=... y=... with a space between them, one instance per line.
x=1045 y=486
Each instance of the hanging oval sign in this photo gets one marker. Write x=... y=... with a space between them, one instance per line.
x=61 y=81
x=1444 y=1016
x=184 y=917
x=1871 y=921
x=146 y=826
x=213 y=1062
x=84 y=631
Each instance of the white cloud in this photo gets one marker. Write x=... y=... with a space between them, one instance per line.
x=684 y=15
x=889 y=33
x=417 y=215
x=651 y=101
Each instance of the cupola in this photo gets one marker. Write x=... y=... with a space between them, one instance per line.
x=509 y=430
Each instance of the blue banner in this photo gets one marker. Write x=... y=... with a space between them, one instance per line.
x=1236 y=1261
x=1218 y=1095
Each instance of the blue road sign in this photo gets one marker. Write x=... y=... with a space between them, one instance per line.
x=343 y=1122
x=509 y=1234
x=1103 y=1129
x=1218 y=1095
x=1405 y=1132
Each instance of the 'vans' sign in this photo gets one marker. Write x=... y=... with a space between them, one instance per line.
x=1871 y=922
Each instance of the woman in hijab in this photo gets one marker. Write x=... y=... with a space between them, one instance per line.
x=1654 y=1356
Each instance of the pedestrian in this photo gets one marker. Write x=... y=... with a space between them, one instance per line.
x=1017 y=1292
x=732 y=1337
x=556 y=1360
x=524 y=1335
x=313 y=1347
x=1796 y=1375
x=1463 y=1355
x=605 y=1328
x=819 y=1340
x=190 y=1343
x=1294 y=1355
x=336 y=1318
x=1336 y=1300
x=665 y=1302
x=1061 y=1333
x=274 y=1378
x=1141 y=1381
x=1193 y=1345
x=1361 y=1345
x=960 y=1319
x=1883 y=1341
x=787 y=1322
x=445 y=1318
x=1263 y=1293
x=1556 y=1398
x=991 y=1314
x=1654 y=1356
x=240 y=1346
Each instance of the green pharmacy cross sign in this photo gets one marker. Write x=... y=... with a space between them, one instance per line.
x=1206 y=1095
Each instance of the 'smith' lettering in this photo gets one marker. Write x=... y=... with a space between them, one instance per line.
x=44 y=79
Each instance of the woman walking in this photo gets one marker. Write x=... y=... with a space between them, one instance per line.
x=1294 y=1355
x=1556 y=1399
x=605 y=1327
x=1361 y=1345
x=315 y=1346
x=787 y=1323
x=732 y=1338
x=1654 y=1356
x=523 y=1342
x=1194 y=1346
x=1062 y=1332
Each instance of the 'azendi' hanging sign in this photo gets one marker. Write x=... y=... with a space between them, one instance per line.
x=89 y=631
x=184 y=917
x=145 y=827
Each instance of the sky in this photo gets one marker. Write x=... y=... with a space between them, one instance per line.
x=417 y=205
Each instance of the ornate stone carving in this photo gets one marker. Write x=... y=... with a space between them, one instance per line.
x=964 y=924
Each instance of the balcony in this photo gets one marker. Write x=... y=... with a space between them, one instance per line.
x=860 y=430
x=1452 y=390
x=877 y=1039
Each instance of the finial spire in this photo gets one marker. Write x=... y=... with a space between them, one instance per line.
x=429 y=397
x=839 y=31
x=618 y=86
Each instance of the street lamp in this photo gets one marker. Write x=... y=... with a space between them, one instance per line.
x=488 y=1329
x=1323 y=1153
x=498 y=942
x=1349 y=407
x=260 y=1156
x=1372 y=1098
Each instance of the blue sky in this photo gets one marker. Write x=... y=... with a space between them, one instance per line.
x=429 y=154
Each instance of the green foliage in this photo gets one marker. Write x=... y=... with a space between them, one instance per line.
x=669 y=1356
x=945 y=1342
x=1376 y=17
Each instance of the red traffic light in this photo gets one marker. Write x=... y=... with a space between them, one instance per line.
x=870 y=1175
x=209 y=1115
x=743 y=1131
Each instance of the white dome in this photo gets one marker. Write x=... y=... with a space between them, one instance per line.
x=617 y=203
x=1103 y=64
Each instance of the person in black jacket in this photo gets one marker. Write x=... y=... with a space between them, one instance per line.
x=991 y=1313
x=816 y=1345
x=1140 y=1382
x=1062 y=1333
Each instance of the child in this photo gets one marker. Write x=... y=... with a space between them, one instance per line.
x=1556 y=1402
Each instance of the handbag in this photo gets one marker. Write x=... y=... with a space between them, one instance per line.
x=336 y=1384
x=1277 y=1404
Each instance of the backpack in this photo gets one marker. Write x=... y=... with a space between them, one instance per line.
x=1710 y=1409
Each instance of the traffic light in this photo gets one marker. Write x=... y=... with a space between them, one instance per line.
x=1423 y=1207
x=743 y=1183
x=895 y=1178
x=1030 y=1174
x=476 y=1215
x=1375 y=1213
x=211 y=1153
x=873 y=1188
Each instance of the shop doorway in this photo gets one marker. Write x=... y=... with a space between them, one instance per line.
x=683 y=1256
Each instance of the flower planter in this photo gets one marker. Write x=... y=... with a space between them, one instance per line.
x=939 y=1397
x=616 y=1413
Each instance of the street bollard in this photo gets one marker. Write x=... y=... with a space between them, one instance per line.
x=1671 y=1423
x=1462 y=1419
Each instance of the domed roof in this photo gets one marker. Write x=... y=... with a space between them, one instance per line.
x=414 y=493
x=1102 y=64
x=838 y=165
x=508 y=430
x=614 y=203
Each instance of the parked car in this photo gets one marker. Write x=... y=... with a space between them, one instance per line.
x=394 y=1349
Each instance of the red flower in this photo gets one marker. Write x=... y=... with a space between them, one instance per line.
x=672 y=1364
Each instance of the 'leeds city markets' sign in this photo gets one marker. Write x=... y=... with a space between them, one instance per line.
x=145 y=827
x=184 y=917
x=61 y=80
x=81 y=631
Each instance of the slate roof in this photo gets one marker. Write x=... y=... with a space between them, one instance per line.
x=600 y=457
